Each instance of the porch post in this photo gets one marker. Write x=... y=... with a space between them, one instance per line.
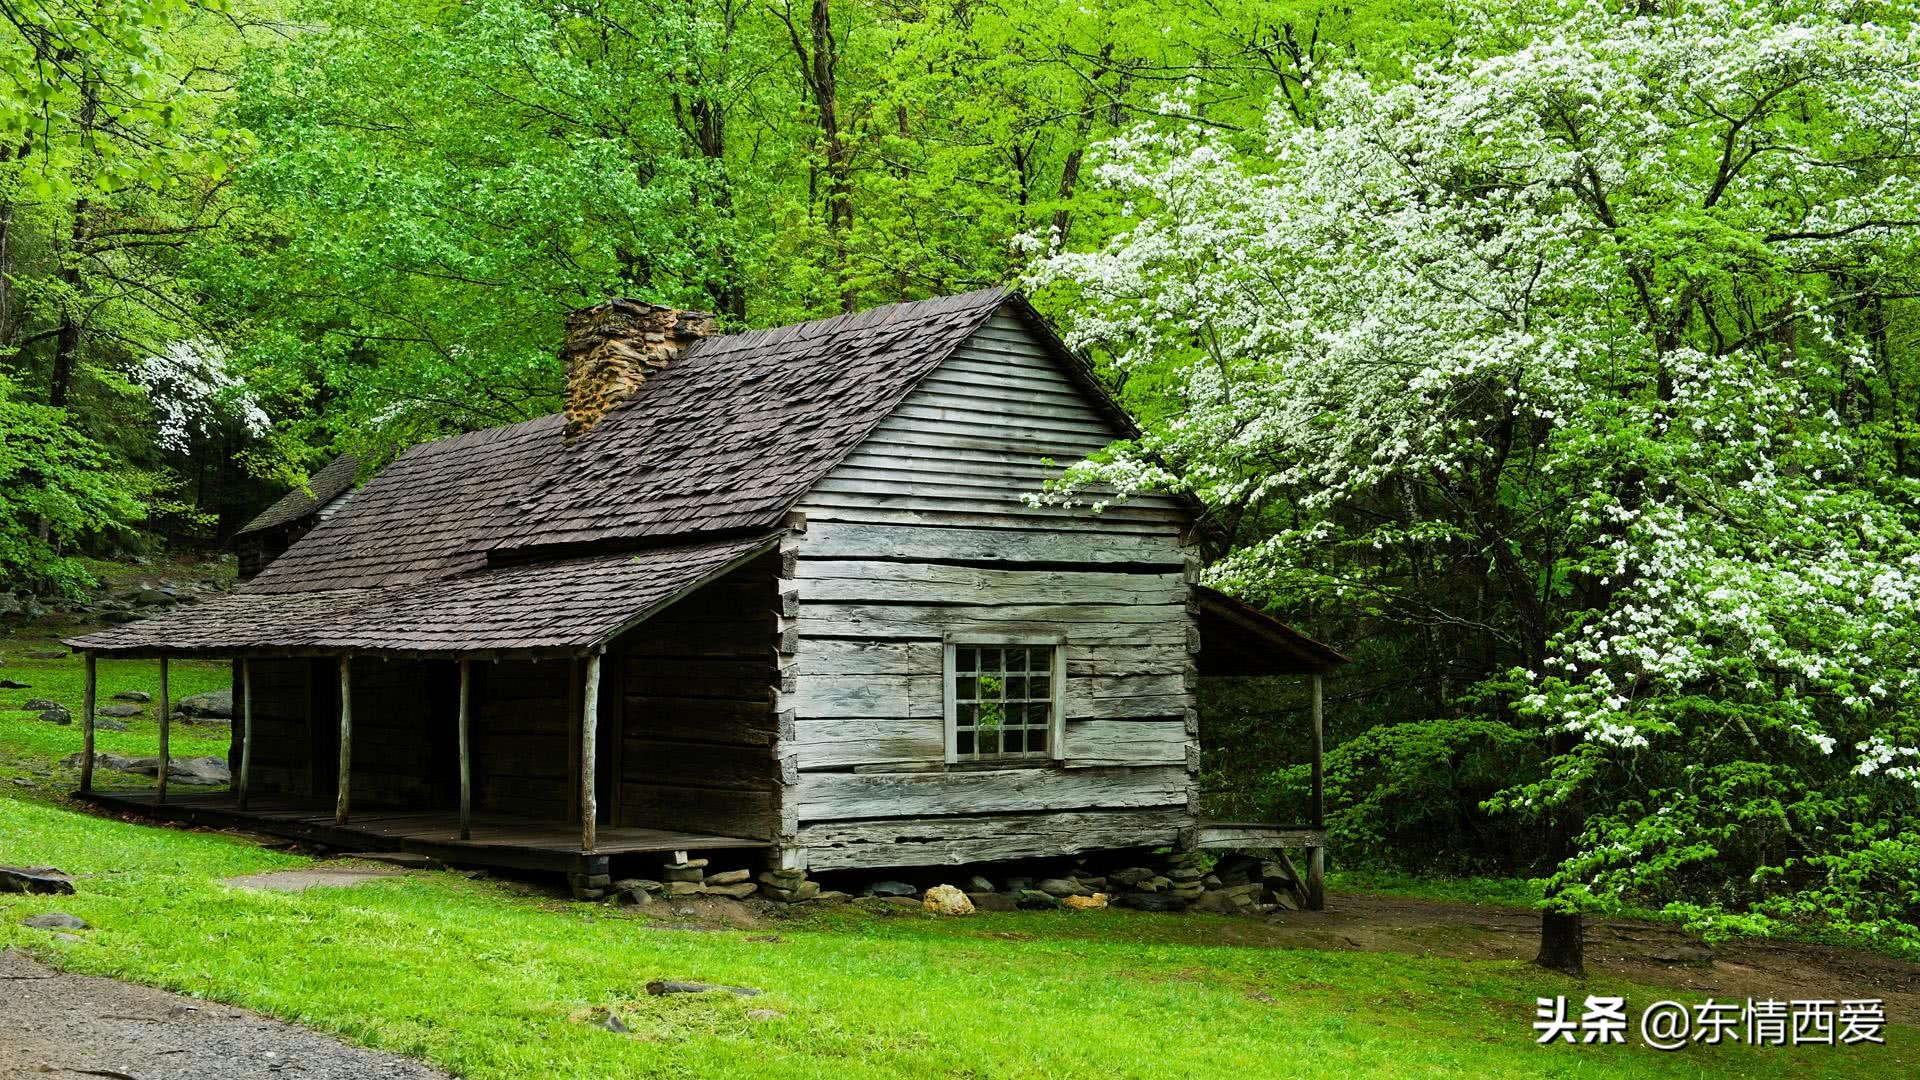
x=246 y=731
x=86 y=729
x=166 y=723
x=341 y=797
x=1317 y=855
x=589 y=738
x=466 y=764
x=1318 y=806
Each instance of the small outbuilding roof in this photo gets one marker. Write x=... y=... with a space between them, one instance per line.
x=564 y=606
x=1237 y=638
x=321 y=488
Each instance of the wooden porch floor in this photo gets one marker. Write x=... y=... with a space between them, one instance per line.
x=497 y=840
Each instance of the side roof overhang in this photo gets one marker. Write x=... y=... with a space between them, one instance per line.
x=561 y=608
x=1237 y=638
x=321 y=488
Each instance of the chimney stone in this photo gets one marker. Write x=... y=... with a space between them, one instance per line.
x=611 y=348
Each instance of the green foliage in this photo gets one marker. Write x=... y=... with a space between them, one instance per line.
x=57 y=488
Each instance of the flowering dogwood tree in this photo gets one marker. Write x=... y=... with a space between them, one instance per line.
x=1583 y=344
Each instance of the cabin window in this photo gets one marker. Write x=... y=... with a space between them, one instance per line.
x=1005 y=701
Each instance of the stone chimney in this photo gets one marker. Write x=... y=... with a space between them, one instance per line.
x=611 y=348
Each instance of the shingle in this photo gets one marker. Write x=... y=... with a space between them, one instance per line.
x=566 y=604
x=321 y=488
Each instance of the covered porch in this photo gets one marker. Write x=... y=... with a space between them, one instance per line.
x=1238 y=640
x=549 y=717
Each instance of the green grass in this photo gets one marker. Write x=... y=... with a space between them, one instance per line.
x=1506 y=892
x=30 y=746
x=489 y=982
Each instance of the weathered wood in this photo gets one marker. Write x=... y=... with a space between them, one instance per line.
x=166 y=729
x=727 y=812
x=706 y=764
x=342 y=797
x=956 y=514
x=841 y=796
x=960 y=840
x=1002 y=541
x=1317 y=878
x=246 y=733
x=908 y=582
x=866 y=695
x=1126 y=742
x=1318 y=805
x=823 y=744
x=1244 y=834
x=466 y=749
x=1125 y=661
x=86 y=720
x=589 y=745
x=1163 y=624
x=827 y=657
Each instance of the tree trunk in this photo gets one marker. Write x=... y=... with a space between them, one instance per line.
x=826 y=97
x=1561 y=944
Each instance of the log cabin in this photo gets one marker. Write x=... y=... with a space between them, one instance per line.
x=775 y=590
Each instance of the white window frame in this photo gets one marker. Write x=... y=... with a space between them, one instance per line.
x=1057 y=730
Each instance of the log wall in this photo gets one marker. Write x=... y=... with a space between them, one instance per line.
x=921 y=536
x=280 y=710
x=523 y=734
x=697 y=729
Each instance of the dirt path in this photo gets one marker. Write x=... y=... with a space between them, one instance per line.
x=1616 y=949
x=53 y=1024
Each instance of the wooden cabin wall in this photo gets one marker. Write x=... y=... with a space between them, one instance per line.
x=922 y=532
x=524 y=738
x=402 y=717
x=697 y=723
x=281 y=747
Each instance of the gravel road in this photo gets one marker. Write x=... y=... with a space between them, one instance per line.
x=53 y=1024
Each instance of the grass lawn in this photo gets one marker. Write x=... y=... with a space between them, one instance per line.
x=487 y=981
x=29 y=746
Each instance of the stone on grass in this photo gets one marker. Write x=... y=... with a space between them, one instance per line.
x=683 y=888
x=118 y=710
x=739 y=890
x=645 y=885
x=976 y=883
x=889 y=888
x=55 y=920
x=35 y=879
x=683 y=873
x=40 y=703
x=729 y=877
x=1085 y=903
x=108 y=723
x=947 y=900
x=47 y=654
x=660 y=987
x=138 y=696
x=214 y=704
x=992 y=901
x=9 y=684
x=612 y=1022
x=831 y=896
x=1035 y=900
x=57 y=715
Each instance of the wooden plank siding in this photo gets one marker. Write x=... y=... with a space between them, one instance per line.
x=698 y=726
x=280 y=735
x=920 y=536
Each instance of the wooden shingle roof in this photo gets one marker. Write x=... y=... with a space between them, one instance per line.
x=322 y=488
x=560 y=606
x=505 y=539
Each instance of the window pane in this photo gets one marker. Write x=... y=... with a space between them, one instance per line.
x=1016 y=687
x=989 y=742
x=963 y=742
x=966 y=660
x=965 y=688
x=1037 y=740
x=1016 y=659
x=1040 y=688
x=1012 y=742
